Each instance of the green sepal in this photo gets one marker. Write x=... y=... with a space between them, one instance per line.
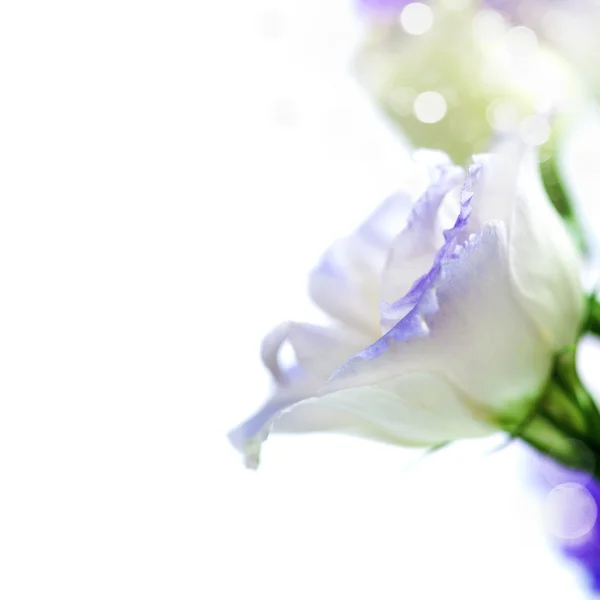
x=563 y=422
x=565 y=375
x=553 y=442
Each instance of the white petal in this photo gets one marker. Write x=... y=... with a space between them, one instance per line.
x=477 y=335
x=249 y=435
x=413 y=250
x=545 y=262
x=415 y=409
x=346 y=284
x=495 y=186
x=466 y=353
x=318 y=350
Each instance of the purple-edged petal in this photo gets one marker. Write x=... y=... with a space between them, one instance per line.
x=347 y=281
x=414 y=249
x=249 y=435
x=468 y=327
x=415 y=385
x=318 y=353
x=475 y=313
x=453 y=236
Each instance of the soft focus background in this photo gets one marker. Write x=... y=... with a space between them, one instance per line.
x=170 y=171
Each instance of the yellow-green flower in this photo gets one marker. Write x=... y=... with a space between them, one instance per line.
x=457 y=79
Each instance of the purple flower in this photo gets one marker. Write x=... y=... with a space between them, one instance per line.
x=573 y=515
x=383 y=7
x=552 y=19
x=442 y=323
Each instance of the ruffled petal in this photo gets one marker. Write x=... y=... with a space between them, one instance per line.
x=466 y=353
x=421 y=290
x=346 y=283
x=469 y=327
x=414 y=249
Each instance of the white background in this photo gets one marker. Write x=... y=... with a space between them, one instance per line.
x=169 y=172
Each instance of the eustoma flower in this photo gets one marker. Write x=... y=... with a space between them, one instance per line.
x=445 y=326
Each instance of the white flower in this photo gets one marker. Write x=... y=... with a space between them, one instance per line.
x=443 y=325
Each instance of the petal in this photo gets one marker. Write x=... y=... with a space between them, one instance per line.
x=469 y=327
x=249 y=435
x=414 y=409
x=269 y=351
x=414 y=249
x=318 y=350
x=466 y=352
x=346 y=283
x=495 y=187
x=545 y=263
x=421 y=288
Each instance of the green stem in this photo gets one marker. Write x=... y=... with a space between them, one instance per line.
x=559 y=196
x=565 y=374
x=566 y=421
x=549 y=437
x=593 y=322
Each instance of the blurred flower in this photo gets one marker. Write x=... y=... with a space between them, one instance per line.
x=568 y=26
x=571 y=512
x=587 y=550
x=444 y=324
x=457 y=78
x=383 y=7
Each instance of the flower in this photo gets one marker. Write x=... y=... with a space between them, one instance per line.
x=383 y=7
x=442 y=325
x=572 y=511
x=570 y=27
x=586 y=551
x=465 y=80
